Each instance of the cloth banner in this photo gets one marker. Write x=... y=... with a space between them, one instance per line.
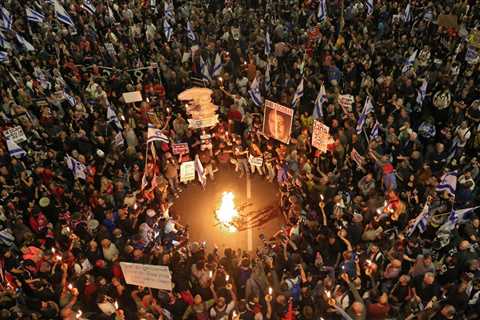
x=16 y=134
x=320 y=136
x=255 y=161
x=277 y=121
x=187 y=171
x=149 y=276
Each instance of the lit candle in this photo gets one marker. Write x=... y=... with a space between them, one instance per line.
x=220 y=79
x=379 y=211
x=70 y=286
x=321 y=197
x=122 y=117
x=368 y=262
x=227 y=277
x=328 y=294
x=53 y=250
x=135 y=206
x=68 y=229
x=210 y=274
x=168 y=110
x=79 y=314
x=116 y=305
x=270 y=291
x=59 y=257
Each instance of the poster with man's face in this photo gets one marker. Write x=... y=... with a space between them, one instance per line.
x=277 y=121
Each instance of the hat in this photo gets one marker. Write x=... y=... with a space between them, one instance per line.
x=44 y=202
x=151 y=213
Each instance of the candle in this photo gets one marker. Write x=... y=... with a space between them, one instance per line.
x=68 y=229
x=227 y=277
x=116 y=305
x=368 y=262
x=220 y=79
x=122 y=117
x=210 y=274
x=321 y=197
x=79 y=314
x=135 y=206
x=70 y=286
x=328 y=294
x=379 y=211
x=53 y=250
x=270 y=291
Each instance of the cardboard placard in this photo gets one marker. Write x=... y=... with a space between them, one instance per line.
x=180 y=148
x=134 y=96
x=16 y=134
x=145 y=275
x=187 y=171
x=320 y=136
x=255 y=161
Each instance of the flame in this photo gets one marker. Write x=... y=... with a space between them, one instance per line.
x=227 y=212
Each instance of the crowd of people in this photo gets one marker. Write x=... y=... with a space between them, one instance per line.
x=381 y=226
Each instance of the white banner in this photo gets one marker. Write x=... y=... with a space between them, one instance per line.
x=131 y=97
x=149 y=276
x=320 y=136
x=16 y=134
x=255 y=161
x=203 y=123
x=187 y=171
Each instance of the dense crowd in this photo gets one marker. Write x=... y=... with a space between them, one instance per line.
x=373 y=234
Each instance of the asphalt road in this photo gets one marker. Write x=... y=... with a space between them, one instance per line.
x=196 y=208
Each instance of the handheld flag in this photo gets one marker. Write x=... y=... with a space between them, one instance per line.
x=89 y=7
x=321 y=99
x=3 y=56
x=255 y=93
x=421 y=221
x=367 y=108
x=456 y=216
x=62 y=14
x=7 y=19
x=112 y=117
x=27 y=45
x=448 y=183
x=15 y=150
x=217 y=66
x=268 y=44
x=410 y=61
x=298 y=95
x=167 y=29
x=169 y=11
x=34 y=16
x=375 y=130
x=200 y=171
x=369 y=4
x=79 y=170
x=422 y=92
x=190 y=34
x=204 y=70
x=71 y=99
x=154 y=134
x=407 y=15
x=268 y=82
x=322 y=10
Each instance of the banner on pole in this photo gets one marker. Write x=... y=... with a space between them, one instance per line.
x=187 y=171
x=320 y=136
x=180 y=148
x=16 y=134
x=277 y=121
x=145 y=275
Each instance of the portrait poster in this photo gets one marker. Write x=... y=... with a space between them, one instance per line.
x=320 y=136
x=277 y=121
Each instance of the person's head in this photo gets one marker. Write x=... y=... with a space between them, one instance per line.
x=429 y=278
x=404 y=280
x=448 y=311
x=357 y=308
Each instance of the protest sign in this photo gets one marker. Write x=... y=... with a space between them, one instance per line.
x=16 y=134
x=320 y=136
x=130 y=97
x=277 y=121
x=346 y=101
x=110 y=49
x=255 y=161
x=203 y=123
x=118 y=141
x=471 y=56
x=187 y=171
x=179 y=148
x=447 y=21
x=474 y=38
x=149 y=276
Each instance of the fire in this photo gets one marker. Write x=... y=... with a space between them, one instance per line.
x=227 y=213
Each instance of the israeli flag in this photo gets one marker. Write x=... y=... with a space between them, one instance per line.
x=268 y=44
x=167 y=29
x=71 y=99
x=322 y=10
x=204 y=70
x=3 y=42
x=407 y=15
x=154 y=134
x=268 y=82
x=200 y=171
x=375 y=130
x=422 y=92
x=34 y=16
x=369 y=4
x=456 y=216
x=421 y=221
x=7 y=20
x=367 y=108
x=190 y=34
x=255 y=93
x=27 y=45
x=112 y=117
x=217 y=66
x=78 y=169
x=89 y=7
x=298 y=95
x=448 y=183
x=62 y=14
x=15 y=150
x=321 y=99
x=410 y=61
x=3 y=56
x=169 y=11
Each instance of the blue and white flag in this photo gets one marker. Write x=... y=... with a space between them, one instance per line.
x=27 y=45
x=204 y=70
x=3 y=42
x=369 y=4
x=71 y=99
x=78 y=169
x=367 y=108
x=448 y=183
x=422 y=92
x=321 y=99
x=217 y=66
x=15 y=150
x=255 y=93
x=190 y=34
x=298 y=95
x=7 y=20
x=268 y=81
x=407 y=15
x=322 y=10
x=169 y=11
x=200 y=171
x=421 y=221
x=62 y=14
x=89 y=7
x=375 y=130
x=3 y=56
x=112 y=117
x=167 y=29
x=34 y=16
x=268 y=44
x=456 y=216
x=410 y=61
x=154 y=134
